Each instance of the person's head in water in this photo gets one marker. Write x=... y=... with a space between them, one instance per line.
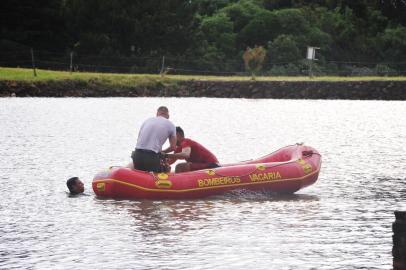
x=75 y=186
x=180 y=135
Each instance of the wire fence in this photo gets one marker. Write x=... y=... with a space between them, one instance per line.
x=74 y=62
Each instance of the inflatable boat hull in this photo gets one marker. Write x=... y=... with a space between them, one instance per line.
x=284 y=171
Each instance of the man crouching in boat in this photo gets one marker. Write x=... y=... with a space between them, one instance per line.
x=196 y=155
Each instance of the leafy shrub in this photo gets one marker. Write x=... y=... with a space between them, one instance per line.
x=253 y=59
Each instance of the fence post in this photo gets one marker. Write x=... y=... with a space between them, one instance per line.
x=71 y=62
x=33 y=63
x=399 y=241
x=163 y=66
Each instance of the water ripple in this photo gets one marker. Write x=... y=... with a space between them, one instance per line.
x=341 y=222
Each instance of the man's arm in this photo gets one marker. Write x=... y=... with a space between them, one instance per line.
x=172 y=144
x=182 y=155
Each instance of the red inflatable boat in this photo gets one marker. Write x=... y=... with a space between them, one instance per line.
x=284 y=171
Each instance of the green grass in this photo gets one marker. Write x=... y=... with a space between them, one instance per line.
x=20 y=74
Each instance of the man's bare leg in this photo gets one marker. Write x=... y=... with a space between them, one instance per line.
x=182 y=167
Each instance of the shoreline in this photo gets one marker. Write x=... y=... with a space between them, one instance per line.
x=356 y=90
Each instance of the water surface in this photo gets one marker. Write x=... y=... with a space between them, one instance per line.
x=341 y=222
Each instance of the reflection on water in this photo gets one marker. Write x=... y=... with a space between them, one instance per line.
x=343 y=221
x=247 y=195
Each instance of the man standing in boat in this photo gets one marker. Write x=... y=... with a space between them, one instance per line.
x=152 y=135
x=196 y=155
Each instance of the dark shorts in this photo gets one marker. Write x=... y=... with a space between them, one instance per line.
x=146 y=160
x=201 y=166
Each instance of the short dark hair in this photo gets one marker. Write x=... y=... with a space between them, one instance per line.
x=180 y=131
x=163 y=109
x=70 y=183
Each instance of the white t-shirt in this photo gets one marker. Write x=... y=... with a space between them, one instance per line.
x=154 y=132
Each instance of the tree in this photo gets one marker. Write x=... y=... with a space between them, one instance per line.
x=284 y=50
x=393 y=44
x=210 y=7
x=394 y=9
x=33 y=23
x=152 y=27
x=260 y=30
x=253 y=59
x=218 y=31
x=292 y=21
x=241 y=13
x=278 y=4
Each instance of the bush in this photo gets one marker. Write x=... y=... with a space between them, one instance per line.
x=384 y=70
x=253 y=59
x=285 y=70
x=362 y=71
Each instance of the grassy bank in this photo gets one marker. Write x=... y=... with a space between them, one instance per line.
x=20 y=74
x=26 y=75
x=22 y=83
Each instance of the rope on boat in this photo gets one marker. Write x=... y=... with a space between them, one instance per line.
x=304 y=154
